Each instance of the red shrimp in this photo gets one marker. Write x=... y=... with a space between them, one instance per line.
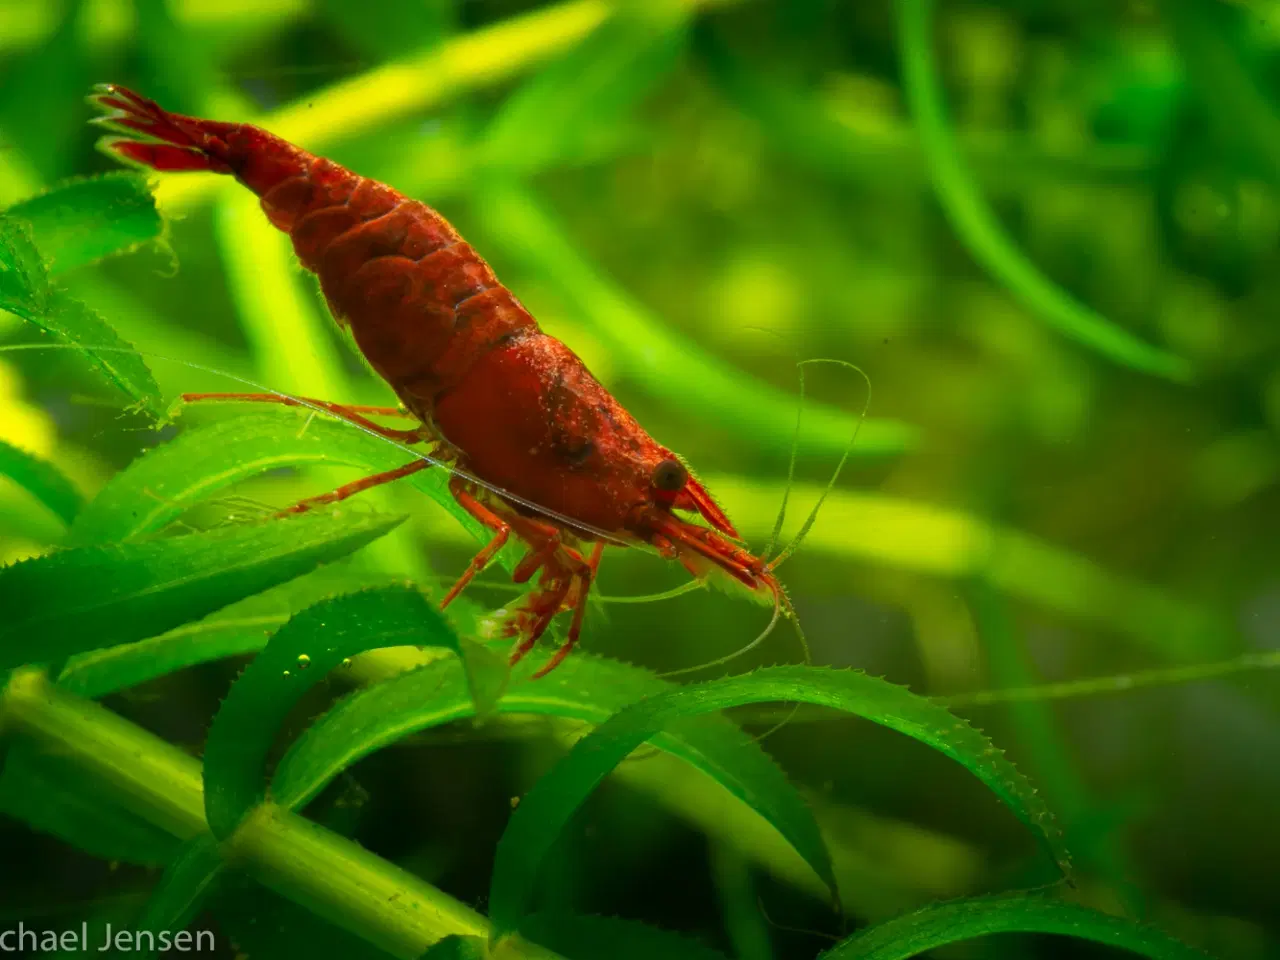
x=508 y=405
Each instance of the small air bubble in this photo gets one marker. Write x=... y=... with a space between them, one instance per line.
x=303 y=661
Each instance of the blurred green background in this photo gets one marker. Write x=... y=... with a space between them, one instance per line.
x=1048 y=232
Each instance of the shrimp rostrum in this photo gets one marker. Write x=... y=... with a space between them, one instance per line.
x=543 y=452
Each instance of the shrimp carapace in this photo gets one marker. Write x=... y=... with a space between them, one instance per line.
x=543 y=451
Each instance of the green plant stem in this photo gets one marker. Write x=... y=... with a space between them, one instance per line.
x=340 y=880
x=312 y=866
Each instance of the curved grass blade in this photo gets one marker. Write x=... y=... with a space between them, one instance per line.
x=583 y=688
x=86 y=219
x=42 y=480
x=51 y=795
x=297 y=658
x=580 y=937
x=85 y=598
x=667 y=363
x=162 y=484
x=25 y=291
x=980 y=230
x=1048 y=753
x=240 y=628
x=959 y=920
x=545 y=810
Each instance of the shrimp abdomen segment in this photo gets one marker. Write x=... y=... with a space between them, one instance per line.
x=422 y=304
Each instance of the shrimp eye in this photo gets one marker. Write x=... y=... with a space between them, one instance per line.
x=670 y=476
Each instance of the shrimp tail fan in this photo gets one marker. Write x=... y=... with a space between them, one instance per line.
x=155 y=138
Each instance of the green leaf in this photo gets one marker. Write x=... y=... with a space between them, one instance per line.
x=297 y=658
x=959 y=920
x=162 y=484
x=24 y=281
x=545 y=810
x=980 y=229
x=583 y=688
x=25 y=291
x=240 y=628
x=86 y=219
x=117 y=362
x=185 y=886
x=42 y=480
x=53 y=795
x=85 y=598
x=589 y=937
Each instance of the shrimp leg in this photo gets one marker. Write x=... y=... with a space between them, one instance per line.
x=355 y=486
x=501 y=532
x=564 y=572
x=585 y=576
x=351 y=412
